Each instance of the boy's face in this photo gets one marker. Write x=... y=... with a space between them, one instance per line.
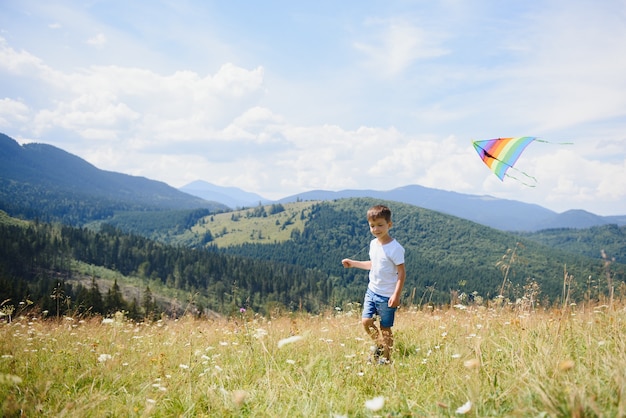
x=379 y=227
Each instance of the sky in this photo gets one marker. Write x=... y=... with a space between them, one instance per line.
x=282 y=97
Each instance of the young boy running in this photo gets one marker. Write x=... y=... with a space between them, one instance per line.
x=386 y=278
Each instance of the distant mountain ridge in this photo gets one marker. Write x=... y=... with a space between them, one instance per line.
x=232 y=197
x=45 y=182
x=502 y=214
x=42 y=180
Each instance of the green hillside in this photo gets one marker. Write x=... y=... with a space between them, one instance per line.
x=39 y=181
x=445 y=255
x=592 y=242
x=69 y=270
x=283 y=257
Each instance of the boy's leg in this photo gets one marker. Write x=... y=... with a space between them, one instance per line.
x=371 y=329
x=387 y=318
x=367 y=319
x=387 y=342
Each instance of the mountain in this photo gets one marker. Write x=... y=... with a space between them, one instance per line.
x=232 y=197
x=290 y=258
x=40 y=180
x=45 y=182
x=502 y=214
x=573 y=219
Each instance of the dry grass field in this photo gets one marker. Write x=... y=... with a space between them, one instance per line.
x=461 y=361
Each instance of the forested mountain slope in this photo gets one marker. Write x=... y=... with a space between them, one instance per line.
x=38 y=266
x=609 y=240
x=44 y=182
x=444 y=253
x=445 y=257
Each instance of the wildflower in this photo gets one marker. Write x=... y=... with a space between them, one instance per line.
x=289 y=340
x=260 y=333
x=183 y=366
x=108 y=320
x=465 y=408
x=375 y=404
x=242 y=310
x=104 y=357
x=289 y=361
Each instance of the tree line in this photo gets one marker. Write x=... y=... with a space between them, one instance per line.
x=36 y=268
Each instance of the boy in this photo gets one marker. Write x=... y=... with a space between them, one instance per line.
x=386 y=278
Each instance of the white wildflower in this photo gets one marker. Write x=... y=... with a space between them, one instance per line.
x=375 y=404
x=465 y=408
x=104 y=357
x=289 y=340
x=260 y=333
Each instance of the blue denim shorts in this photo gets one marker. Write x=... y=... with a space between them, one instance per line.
x=374 y=304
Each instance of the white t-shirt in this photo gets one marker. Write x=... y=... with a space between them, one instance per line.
x=384 y=272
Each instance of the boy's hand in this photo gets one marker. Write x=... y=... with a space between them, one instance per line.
x=347 y=263
x=394 y=301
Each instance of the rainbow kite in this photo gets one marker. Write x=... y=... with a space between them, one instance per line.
x=500 y=154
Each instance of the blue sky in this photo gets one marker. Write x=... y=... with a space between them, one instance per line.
x=281 y=97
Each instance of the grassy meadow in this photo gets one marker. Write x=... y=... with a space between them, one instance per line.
x=460 y=361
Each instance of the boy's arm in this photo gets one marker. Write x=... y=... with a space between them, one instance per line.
x=394 y=300
x=364 y=265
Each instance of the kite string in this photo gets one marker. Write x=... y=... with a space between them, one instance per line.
x=525 y=174
x=553 y=143
x=522 y=181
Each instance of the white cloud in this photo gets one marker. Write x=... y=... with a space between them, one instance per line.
x=98 y=41
x=20 y=63
x=12 y=113
x=383 y=102
x=394 y=44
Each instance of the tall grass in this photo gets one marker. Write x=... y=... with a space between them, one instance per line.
x=472 y=361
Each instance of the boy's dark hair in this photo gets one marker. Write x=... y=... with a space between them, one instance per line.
x=379 y=211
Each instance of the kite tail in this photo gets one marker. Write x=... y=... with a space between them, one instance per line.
x=525 y=182
x=533 y=181
x=553 y=143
